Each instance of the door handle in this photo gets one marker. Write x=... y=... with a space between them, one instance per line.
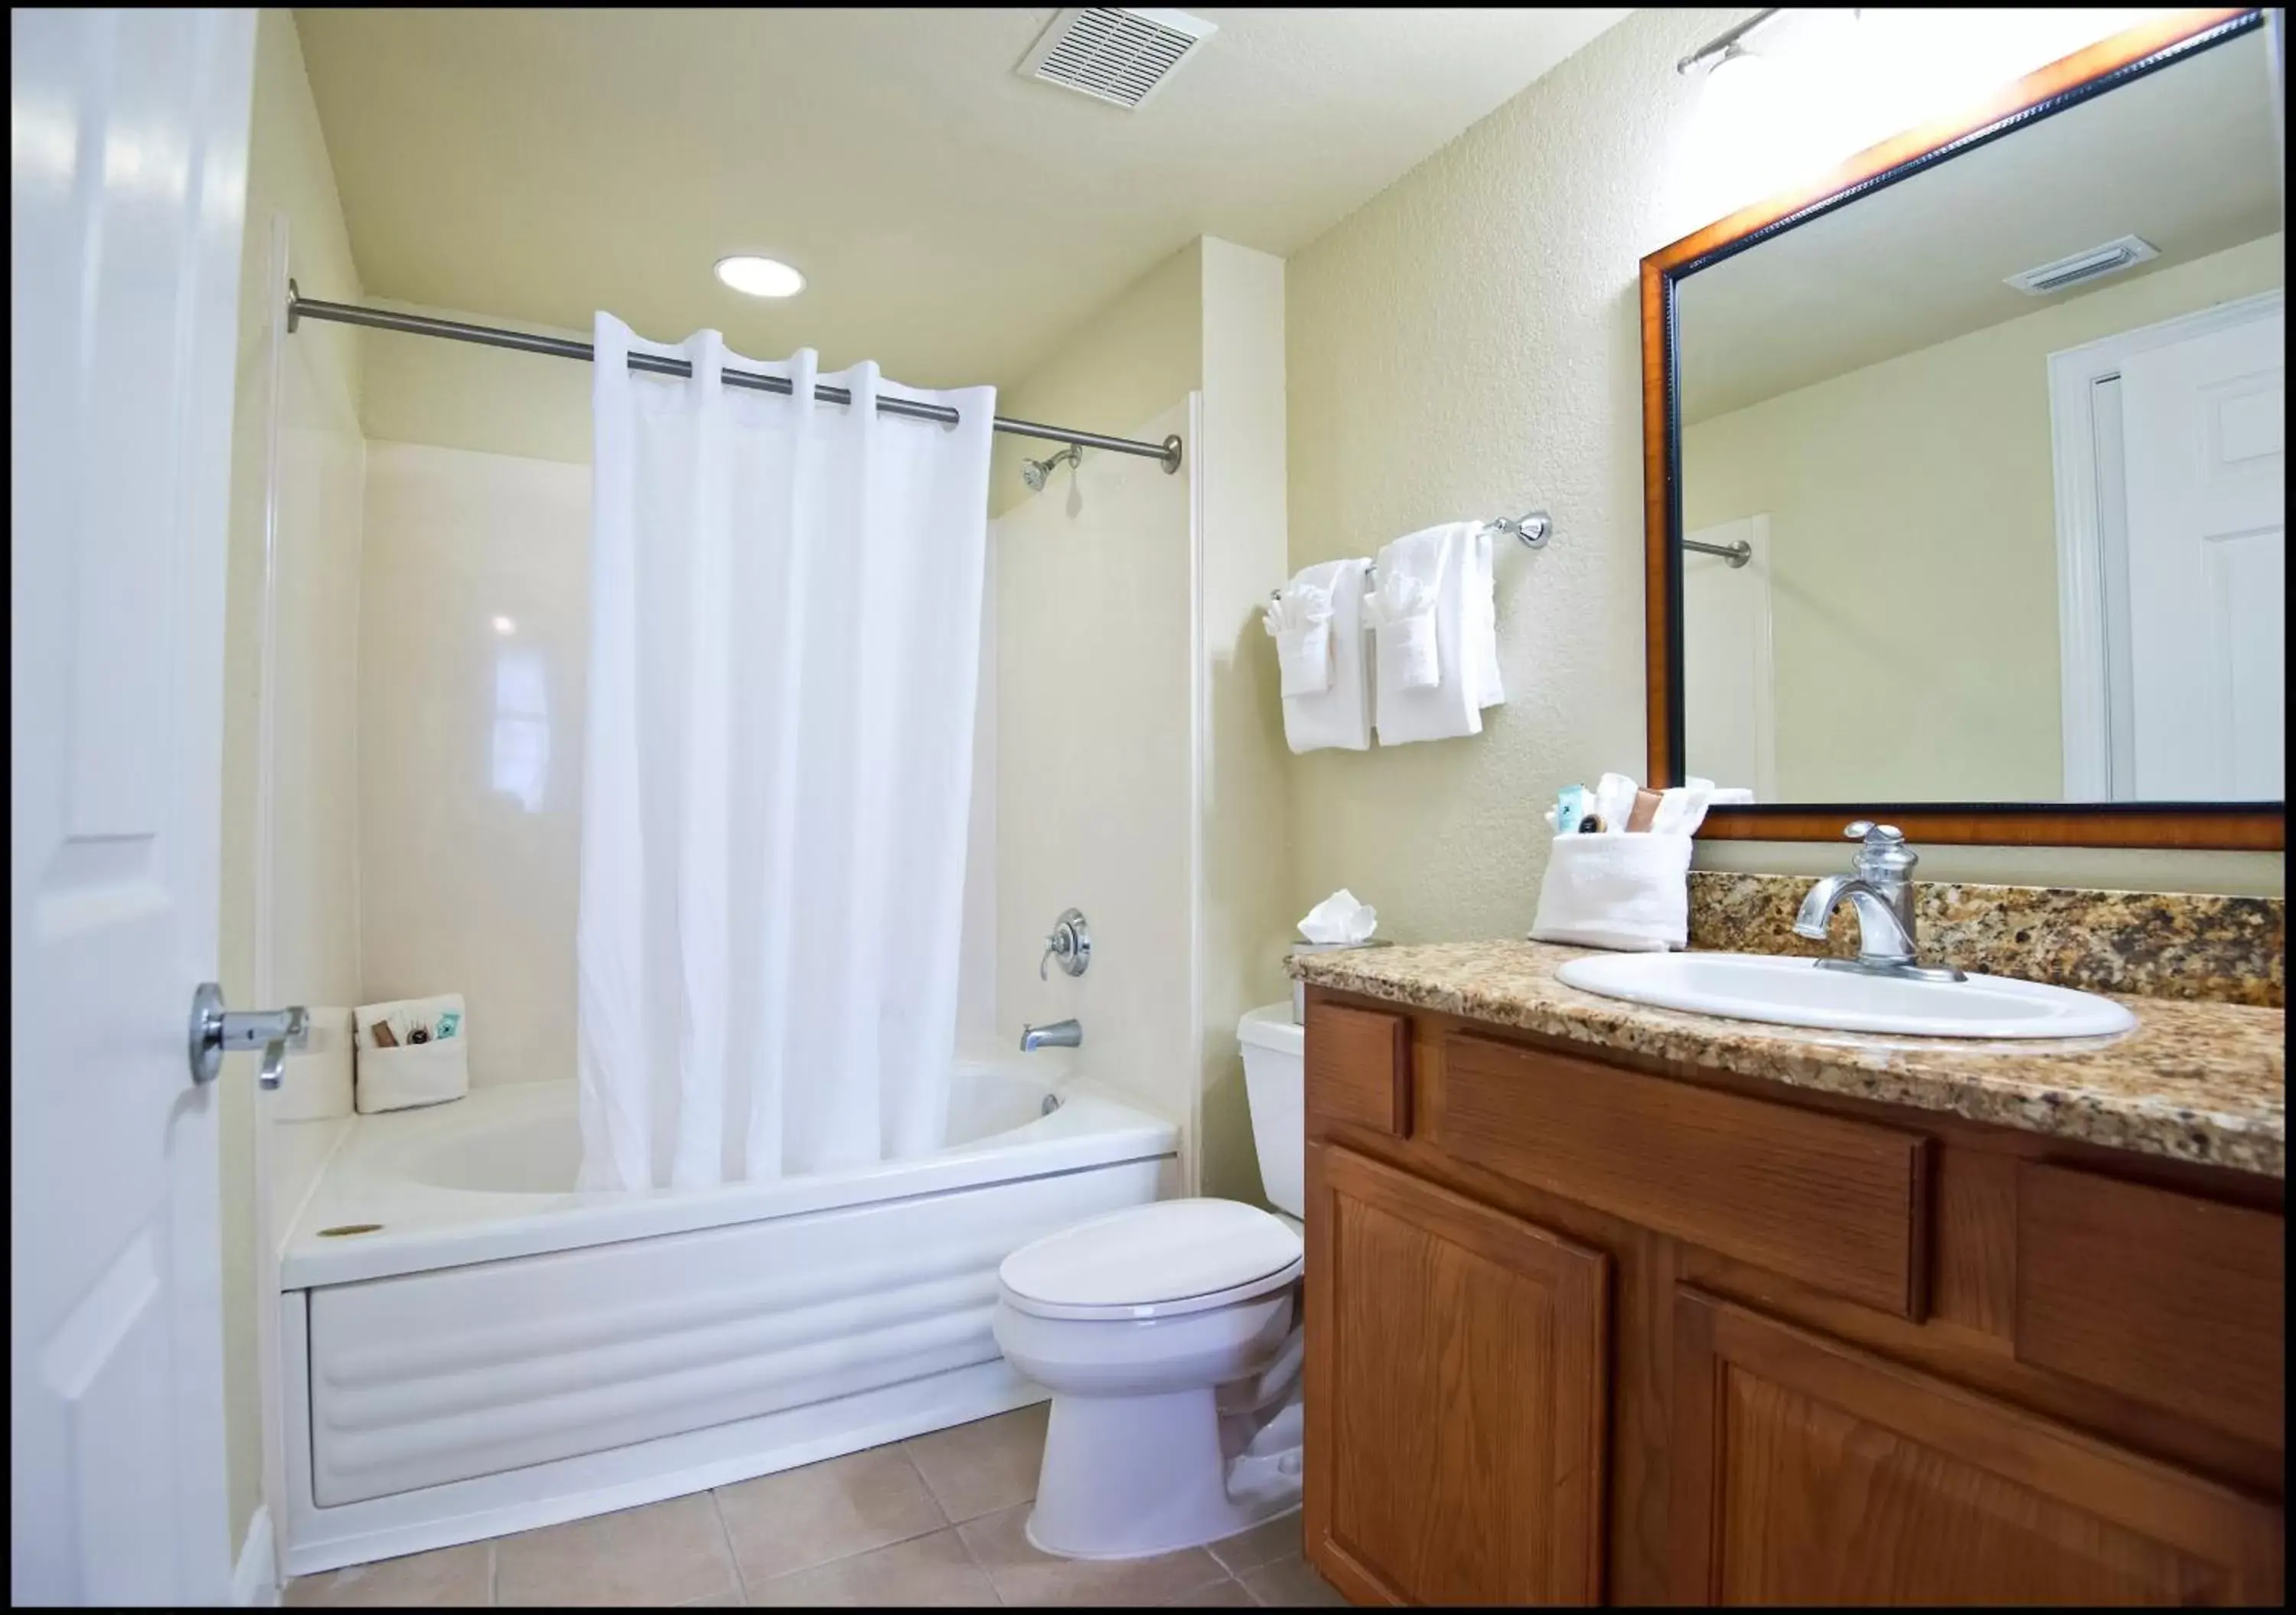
x=217 y=1032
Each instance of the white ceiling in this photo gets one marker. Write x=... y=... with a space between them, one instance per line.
x=955 y=221
x=2182 y=156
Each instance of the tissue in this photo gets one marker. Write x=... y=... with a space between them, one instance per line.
x=1340 y=918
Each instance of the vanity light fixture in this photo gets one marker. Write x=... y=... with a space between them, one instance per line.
x=1728 y=45
x=759 y=277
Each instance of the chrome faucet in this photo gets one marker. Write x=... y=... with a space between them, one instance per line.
x=1881 y=890
x=1058 y=1034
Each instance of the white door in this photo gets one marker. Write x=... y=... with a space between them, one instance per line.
x=127 y=189
x=2203 y=425
x=1729 y=711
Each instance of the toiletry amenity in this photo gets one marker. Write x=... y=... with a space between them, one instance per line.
x=1645 y=812
x=1570 y=810
x=412 y=1052
x=1453 y=564
x=1299 y=621
x=1339 y=715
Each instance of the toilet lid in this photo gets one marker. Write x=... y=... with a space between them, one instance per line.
x=1144 y=1255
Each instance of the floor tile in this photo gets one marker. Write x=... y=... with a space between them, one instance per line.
x=934 y=1569
x=1290 y=1583
x=444 y=1578
x=1220 y=1594
x=988 y=1464
x=1022 y=1575
x=1263 y=1544
x=672 y=1552
x=801 y=1517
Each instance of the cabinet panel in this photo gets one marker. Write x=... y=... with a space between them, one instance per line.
x=2176 y=1300
x=1358 y=1068
x=1456 y=1386
x=1807 y=1471
x=1837 y=1203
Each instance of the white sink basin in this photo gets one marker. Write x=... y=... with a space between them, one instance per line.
x=1794 y=992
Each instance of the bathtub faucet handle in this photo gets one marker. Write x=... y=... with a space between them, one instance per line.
x=1071 y=942
x=217 y=1032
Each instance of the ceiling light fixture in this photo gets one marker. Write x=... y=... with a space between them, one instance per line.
x=759 y=277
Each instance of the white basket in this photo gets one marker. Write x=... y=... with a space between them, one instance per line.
x=412 y=1074
x=1626 y=892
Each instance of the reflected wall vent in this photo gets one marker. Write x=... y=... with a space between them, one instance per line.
x=2109 y=259
x=1121 y=54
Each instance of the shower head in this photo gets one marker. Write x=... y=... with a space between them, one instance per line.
x=1036 y=474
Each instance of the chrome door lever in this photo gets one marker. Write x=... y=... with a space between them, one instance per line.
x=217 y=1032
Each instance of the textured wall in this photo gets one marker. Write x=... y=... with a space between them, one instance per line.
x=1467 y=344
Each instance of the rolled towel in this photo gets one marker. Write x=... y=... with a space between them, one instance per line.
x=1402 y=611
x=1299 y=620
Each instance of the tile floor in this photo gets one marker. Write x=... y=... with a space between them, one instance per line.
x=936 y=1520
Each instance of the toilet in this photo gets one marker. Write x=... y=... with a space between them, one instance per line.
x=1171 y=1337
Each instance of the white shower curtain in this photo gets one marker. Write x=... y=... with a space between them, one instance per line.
x=785 y=621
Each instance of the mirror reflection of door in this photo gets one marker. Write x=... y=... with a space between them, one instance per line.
x=1729 y=707
x=2175 y=560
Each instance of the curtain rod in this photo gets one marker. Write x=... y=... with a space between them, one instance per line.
x=300 y=309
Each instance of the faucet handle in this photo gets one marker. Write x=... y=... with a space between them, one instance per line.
x=1873 y=834
x=1883 y=855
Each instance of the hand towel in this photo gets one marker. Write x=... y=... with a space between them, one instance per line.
x=1628 y=892
x=1402 y=613
x=1298 y=619
x=1483 y=624
x=1339 y=715
x=1446 y=561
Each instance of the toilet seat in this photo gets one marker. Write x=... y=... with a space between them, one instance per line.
x=1164 y=1259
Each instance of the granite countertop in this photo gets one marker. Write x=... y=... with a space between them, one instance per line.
x=2194 y=1081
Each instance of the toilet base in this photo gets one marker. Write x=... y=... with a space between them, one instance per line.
x=1129 y=1477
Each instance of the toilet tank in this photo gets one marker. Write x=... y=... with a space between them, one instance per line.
x=1275 y=1085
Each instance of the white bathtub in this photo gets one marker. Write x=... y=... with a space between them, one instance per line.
x=497 y=1351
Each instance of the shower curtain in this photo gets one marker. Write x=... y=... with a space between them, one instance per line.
x=785 y=621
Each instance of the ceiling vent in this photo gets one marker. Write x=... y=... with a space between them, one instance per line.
x=1121 y=54
x=2108 y=259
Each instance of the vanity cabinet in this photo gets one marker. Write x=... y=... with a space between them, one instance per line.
x=1588 y=1327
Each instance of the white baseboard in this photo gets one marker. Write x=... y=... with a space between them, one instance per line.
x=255 y=1578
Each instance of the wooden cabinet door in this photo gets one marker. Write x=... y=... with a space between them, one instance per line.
x=1456 y=1369
x=1807 y=1472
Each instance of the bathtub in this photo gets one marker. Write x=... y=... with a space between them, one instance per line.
x=471 y=1347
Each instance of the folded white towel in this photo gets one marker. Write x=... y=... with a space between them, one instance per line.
x=1299 y=620
x=1628 y=892
x=1402 y=613
x=1338 y=715
x=1453 y=563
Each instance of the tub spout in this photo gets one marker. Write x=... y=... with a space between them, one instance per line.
x=1058 y=1034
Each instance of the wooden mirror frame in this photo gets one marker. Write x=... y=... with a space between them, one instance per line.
x=2062 y=84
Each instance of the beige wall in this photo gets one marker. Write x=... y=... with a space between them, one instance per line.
x=458 y=395
x=1467 y=344
x=1242 y=799
x=474 y=639
x=1929 y=476
x=1141 y=757
x=1093 y=768
x=1131 y=359
x=308 y=869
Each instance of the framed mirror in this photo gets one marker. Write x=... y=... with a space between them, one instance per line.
x=1964 y=473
